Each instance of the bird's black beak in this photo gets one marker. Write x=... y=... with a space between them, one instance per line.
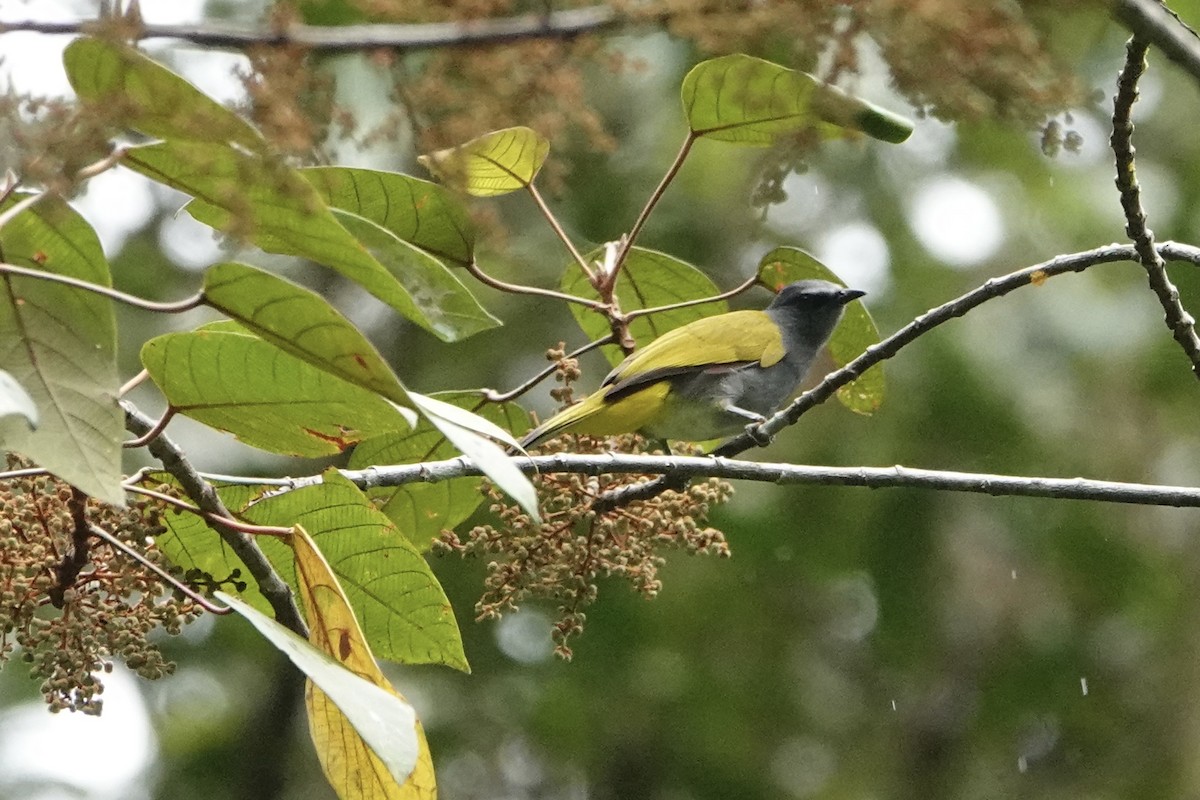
x=846 y=295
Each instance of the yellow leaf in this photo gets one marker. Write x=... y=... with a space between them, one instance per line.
x=352 y=768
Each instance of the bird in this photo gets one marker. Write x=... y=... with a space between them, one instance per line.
x=712 y=377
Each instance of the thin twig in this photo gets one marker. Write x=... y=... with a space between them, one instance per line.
x=734 y=292
x=518 y=288
x=795 y=474
x=152 y=434
x=558 y=24
x=133 y=383
x=562 y=234
x=25 y=203
x=631 y=237
x=175 y=307
x=276 y=592
x=492 y=396
x=1180 y=323
x=168 y=578
x=130 y=485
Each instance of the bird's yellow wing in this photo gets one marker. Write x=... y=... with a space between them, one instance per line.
x=739 y=336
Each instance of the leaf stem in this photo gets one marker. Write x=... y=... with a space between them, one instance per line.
x=562 y=234
x=492 y=396
x=517 y=288
x=175 y=307
x=628 y=240
x=734 y=292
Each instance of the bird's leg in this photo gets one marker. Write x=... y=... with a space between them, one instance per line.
x=752 y=429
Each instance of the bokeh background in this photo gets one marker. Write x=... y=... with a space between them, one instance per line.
x=859 y=643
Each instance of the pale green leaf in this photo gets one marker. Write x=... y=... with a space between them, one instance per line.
x=441 y=304
x=415 y=211
x=745 y=100
x=496 y=163
x=249 y=387
x=259 y=198
x=302 y=323
x=59 y=343
x=146 y=96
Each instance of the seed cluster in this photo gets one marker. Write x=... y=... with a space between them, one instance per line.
x=72 y=602
x=562 y=557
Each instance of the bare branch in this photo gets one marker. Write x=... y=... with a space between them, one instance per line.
x=1180 y=323
x=686 y=467
x=556 y=24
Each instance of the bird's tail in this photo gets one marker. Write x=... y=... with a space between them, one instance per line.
x=564 y=420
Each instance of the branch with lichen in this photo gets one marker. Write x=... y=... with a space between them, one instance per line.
x=1180 y=323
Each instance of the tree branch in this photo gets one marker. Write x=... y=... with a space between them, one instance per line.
x=1180 y=323
x=202 y=493
x=687 y=467
x=473 y=33
x=1153 y=22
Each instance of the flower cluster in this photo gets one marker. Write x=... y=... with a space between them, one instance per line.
x=71 y=601
x=562 y=557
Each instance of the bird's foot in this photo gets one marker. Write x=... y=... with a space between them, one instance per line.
x=755 y=432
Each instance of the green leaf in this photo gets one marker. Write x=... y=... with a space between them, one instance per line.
x=385 y=721
x=495 y=163
x=249 y=387
x=472 y=435
x=854 y=334
x=60 y=344
x=260 y=198
x=423 y=510
x=403 y=610
x=649 y=279
x=745 y=100
x=415 y=211
x=302 y=323
x=148 y=97
x=441 y=303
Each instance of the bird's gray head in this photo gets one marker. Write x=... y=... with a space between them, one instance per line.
x=809 y=310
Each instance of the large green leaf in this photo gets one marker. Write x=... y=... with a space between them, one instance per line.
x=854 y=334
x=649 y=279
x=59 y=343
x=146 y=96
x=416 y=211
x=402 y=608
x=447 y=308
x=259 y=198
x=422 y=510
x=495 y=163
x=249 y=387
x=302 y=323
x=745 y=100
